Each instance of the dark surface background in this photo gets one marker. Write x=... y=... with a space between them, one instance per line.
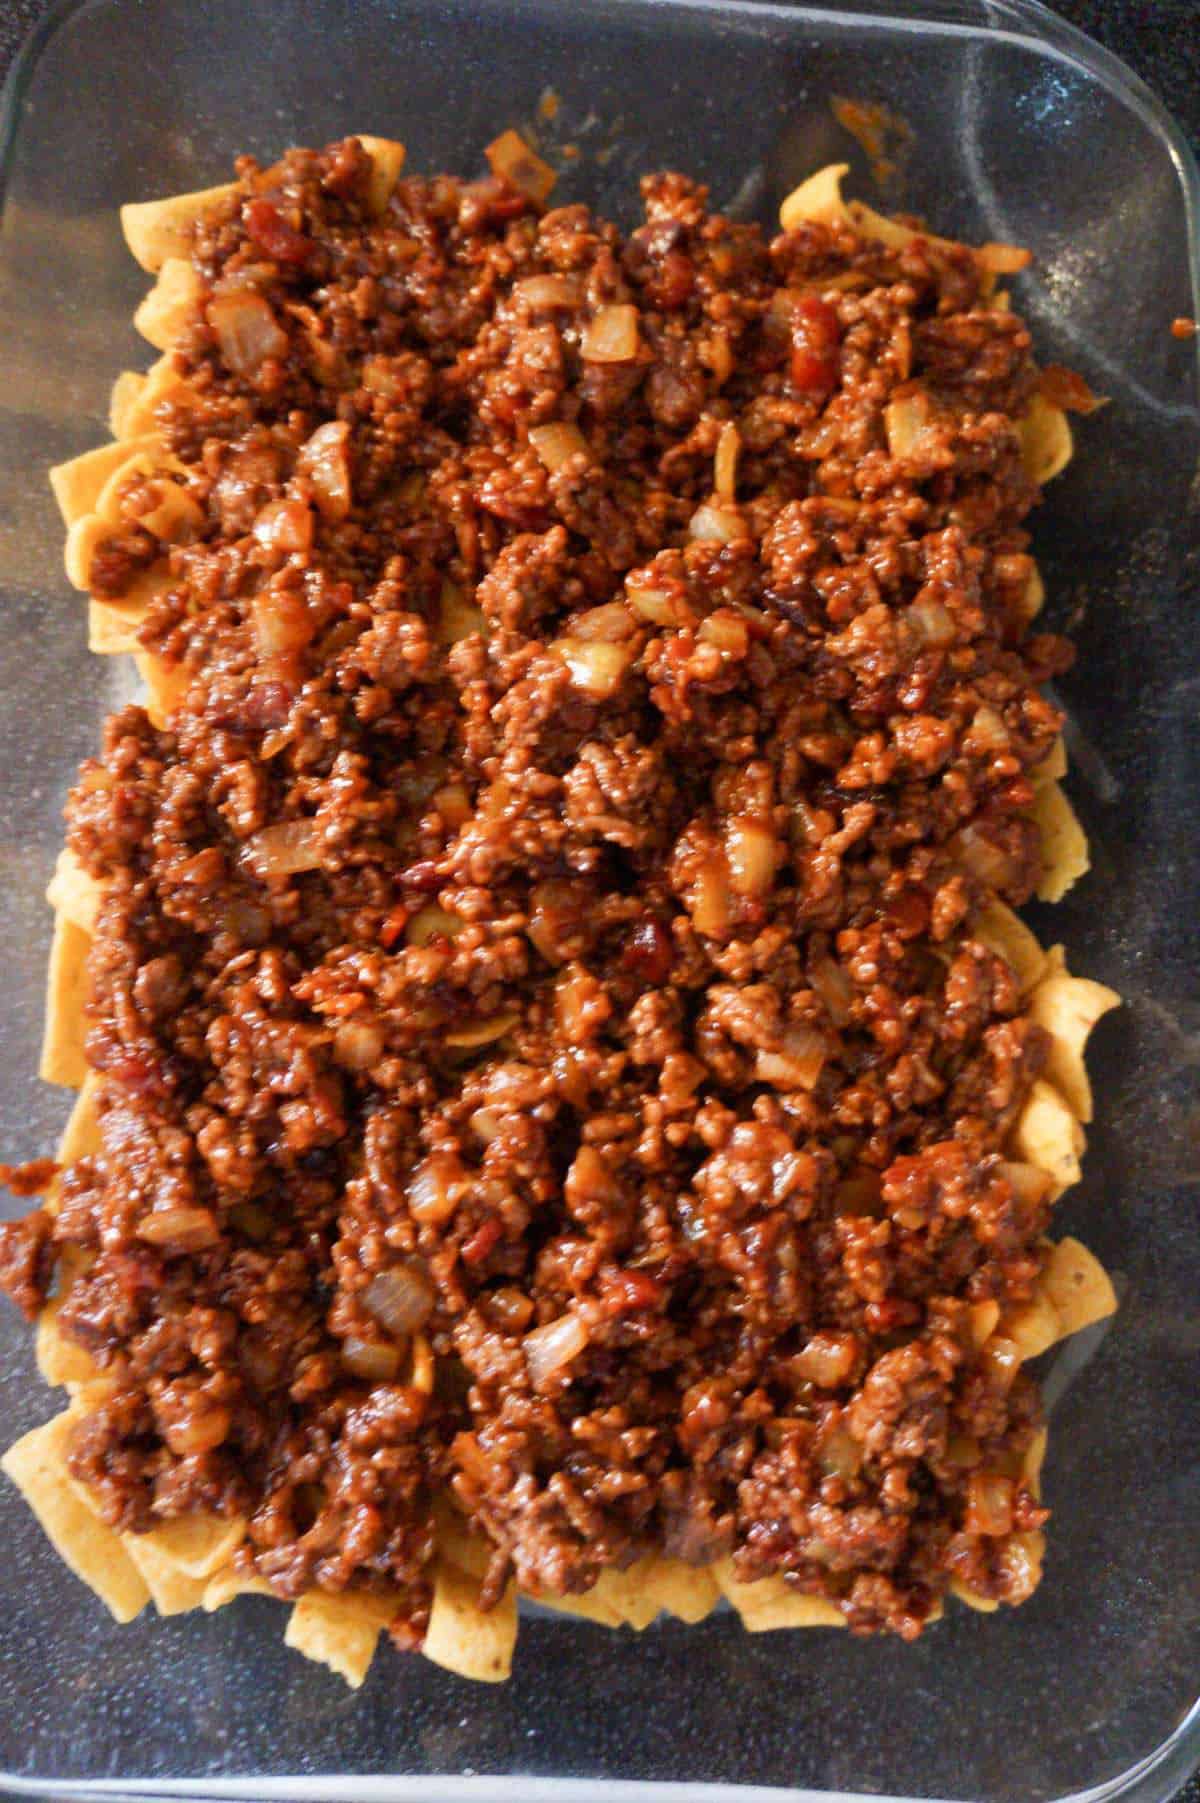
x=1159 y=38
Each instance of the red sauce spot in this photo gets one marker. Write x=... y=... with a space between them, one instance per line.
x=814 y=367
x=270 y=230
x=481 y=1242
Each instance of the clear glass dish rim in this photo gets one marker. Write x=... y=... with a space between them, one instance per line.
x=1162 y=1772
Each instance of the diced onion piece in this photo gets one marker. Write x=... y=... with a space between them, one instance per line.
x=835 y=989
x=550 y=1348
x=247 y=332
x=282 y=622
x=548 y=291
x=324 y=459
x=726 y=630
x=827 y=1360
x=908 y=422
x=752 y=853
x=796 y=1064
x=453 y=804
x=932 y=623
x=989 y=1504
x=652 y=604
x=483 y=1032
x=431 y=1191
x=511 y=159
x=285 y=849
x=372 y=1360
x=182 y=1229
x=596 y=668
x=401 y=1299
x=603 y=625
x=840 y=1455
x=358 y=1044
x=285 y=525
x=611 y=336
x=1003 y=1360
x=987 y=728
x=557 y=443
x=711 y=899
x=1003 y=259
x=458 y=618
x=432 y=922
x=486 y=1123
x=712 y=522
x=725 y=462
x=992 y=866
x=198 y=1431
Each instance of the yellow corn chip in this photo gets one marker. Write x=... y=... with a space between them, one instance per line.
x=689 y=1592
x=226 y=1585
x=984 y=1605
x=63 y=1059
x=387 y=160
x=586 y=1604
x=464 y=1638
x=37 y=1466
x=1046 y=442
x=197 y=1545
x=1076 y=1284
x=818 y=199
x=60 y=1360
x=113 y=627
x=469 y=1552
x=1006 y=934
x=169 y=307
x=1049 y=1136
x=166 y=684
x=1033 y=1327
x=73 y=892
x=78 y=484
x=1035 y=1458
x=984 y=1319
x=1064 y=845
x=1068 y=1008
x=81 y=1135
x=157 y=229
x=1032 y=603
x=125 y=391
x=339 y=1631
x=171 y=1591
x=770 y=1603
x=1053 y=766
x=84 y=539
x=628 y=1594
x=152 y=461
x=163 y=381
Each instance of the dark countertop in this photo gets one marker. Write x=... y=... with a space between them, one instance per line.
x=1159 y=38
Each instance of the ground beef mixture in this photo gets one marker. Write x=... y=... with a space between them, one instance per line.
x=547 y=919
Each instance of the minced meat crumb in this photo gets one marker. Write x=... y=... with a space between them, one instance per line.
x=547 y=919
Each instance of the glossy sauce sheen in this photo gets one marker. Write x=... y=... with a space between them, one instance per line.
x=697 y=1234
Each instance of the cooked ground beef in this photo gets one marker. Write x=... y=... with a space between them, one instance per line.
x=548 y=916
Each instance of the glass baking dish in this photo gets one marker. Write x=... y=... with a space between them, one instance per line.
x=1023 y=132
